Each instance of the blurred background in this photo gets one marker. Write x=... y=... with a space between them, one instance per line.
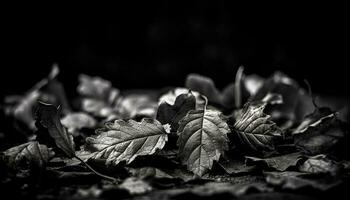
x=160 y=44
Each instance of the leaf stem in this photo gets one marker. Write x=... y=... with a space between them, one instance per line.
x=95 y=172
x=313 y=97
x=237 y=91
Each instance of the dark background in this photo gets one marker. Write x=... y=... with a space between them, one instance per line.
x=159 y=44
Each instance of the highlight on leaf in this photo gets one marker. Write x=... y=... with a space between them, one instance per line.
x=125 y=140
x=202 y=139
x=254 y=128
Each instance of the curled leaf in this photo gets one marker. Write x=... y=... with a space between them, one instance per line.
x=202 y=139
x=320 y=132
x=296 y=103
x=172 y=114
x=205 y=86
x=48 y=116
x=125 y=140
x=229 y=97
x=319 y=117
x=170 y=96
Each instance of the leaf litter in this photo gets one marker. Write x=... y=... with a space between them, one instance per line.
x=257 y=136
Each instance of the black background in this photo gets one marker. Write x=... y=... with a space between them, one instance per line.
x=158 y=44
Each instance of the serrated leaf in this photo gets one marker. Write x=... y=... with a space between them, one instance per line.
x=172 y=114
x=202 y=139
x=125 y=140
x=255 y=129
x=48 y=116
x=31 y=153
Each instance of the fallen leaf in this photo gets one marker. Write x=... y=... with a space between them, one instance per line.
x=296 y=103
x=48 y=116
x=234 y=167
x=97 y=108
x=221 y=190
x=97 y=88
x=255 y=129
x=229 y=97
x=298 y=181
x=170 y=96
x=253 y=83
x=158 y=173
x=315 y=119
x=137 y=105
x=135 y=186
x=98 y=96
x=172 y=114
x=125 y=140
x=24 y=109
x=76 y=121
x=319 y=164
x=24 y=105
x=202 y=139
x=29 y=154
x=205 y=86
x=279 y=163
x=320 y=132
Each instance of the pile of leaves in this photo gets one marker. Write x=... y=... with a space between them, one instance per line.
x=258 y=136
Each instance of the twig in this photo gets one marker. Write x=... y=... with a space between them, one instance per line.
x=95 y=172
